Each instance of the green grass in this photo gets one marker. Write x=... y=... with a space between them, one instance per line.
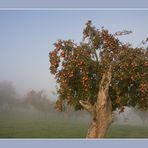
x=127 y=131
x=19 y=126
x=39 y=127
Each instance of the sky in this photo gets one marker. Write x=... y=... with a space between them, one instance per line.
x=27 y=37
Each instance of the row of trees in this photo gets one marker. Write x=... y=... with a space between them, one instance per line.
x=9 y=99
x=32 y=102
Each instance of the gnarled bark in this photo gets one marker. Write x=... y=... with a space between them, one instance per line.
x=101 y=112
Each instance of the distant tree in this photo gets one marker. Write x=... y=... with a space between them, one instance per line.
x=143 y=115
x=38 y=100
x=7 y=95
x=100 y=75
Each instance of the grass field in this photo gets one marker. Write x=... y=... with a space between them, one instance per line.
x=19 y=126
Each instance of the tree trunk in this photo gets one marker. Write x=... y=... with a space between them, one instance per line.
x=101 y=121
x=101 y=112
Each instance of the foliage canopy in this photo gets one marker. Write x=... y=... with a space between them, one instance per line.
x=78 y=69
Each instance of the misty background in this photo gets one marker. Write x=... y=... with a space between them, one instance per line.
x=27 y=37
x=38 y=104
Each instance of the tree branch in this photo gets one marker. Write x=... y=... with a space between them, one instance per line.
x=106 y=80
x=87 y=106
x=103 y=94
x=96 y=55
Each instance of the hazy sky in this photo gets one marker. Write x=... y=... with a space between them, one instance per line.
x=26 y=38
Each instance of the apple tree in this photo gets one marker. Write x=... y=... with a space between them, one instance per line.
x=100 y=74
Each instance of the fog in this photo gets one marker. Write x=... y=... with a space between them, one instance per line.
x=40 y=105
x=34 y=103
